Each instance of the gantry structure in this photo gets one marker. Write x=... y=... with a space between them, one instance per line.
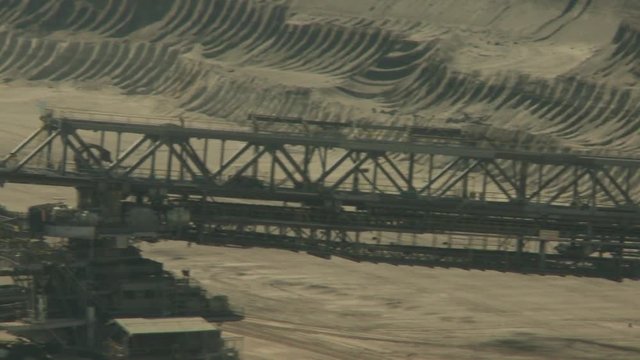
x=344 y=189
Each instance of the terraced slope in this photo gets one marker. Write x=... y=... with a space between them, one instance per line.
x=567 y=69
x=564 y=71
x=225 y=58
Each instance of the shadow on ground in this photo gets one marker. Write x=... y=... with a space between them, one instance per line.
x=560 y=347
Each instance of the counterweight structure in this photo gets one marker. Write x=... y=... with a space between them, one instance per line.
x=345 y=189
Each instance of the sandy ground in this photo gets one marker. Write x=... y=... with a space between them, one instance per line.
x=566 y=70
x=303 y=307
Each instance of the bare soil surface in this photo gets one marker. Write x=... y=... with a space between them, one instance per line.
x=311 y=308
x=566 y=71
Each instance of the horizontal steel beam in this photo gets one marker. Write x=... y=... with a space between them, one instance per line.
x=370 y=145
x=500 y=260
x=433 y=218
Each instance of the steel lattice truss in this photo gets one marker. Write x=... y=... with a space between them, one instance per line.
x=341 y=181
x=320 y=165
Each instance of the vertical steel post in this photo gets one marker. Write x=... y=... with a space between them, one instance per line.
x=484 y=186
x=575 y=185
x=520 y=247
x=430 y=174
x=465 y=186
x=118 y=144
x=182 y=159
x=522 y=181
x=542 y=255
x=374 y=180
x=322 y=153
x=169 y=161
x=254 y=169
x=152 y=171
x=355 y=186
x=49 y=151
x=412 y=164
x=63 y=164
x=594 y=190
x=272 y=172
x=307 y=160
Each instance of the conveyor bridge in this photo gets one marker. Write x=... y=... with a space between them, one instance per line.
x=350 y=186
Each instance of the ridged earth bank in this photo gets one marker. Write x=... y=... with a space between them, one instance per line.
x=560 y=69
x=555 y=71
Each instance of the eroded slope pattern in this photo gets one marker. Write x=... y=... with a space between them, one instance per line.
x=562 y=69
